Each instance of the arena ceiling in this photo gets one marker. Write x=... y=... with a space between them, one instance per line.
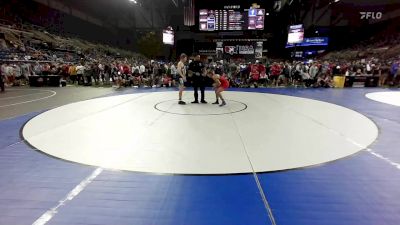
x=157 y=14
x=341 y=12
x=138 y=14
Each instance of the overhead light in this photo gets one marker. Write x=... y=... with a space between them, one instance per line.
x=133 y=1
x=333 y=1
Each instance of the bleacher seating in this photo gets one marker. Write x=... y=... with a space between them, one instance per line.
x=29 y=42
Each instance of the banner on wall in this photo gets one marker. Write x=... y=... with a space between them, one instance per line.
x=207 y=52
x=220 y=50
x=220 y=53
x=312 y=41
x=231 y=50
x=259 y=50
x=246 y=49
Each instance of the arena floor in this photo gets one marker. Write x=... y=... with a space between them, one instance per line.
x=97 y=156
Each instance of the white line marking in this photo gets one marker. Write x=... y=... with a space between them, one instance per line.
x=35 y=100
x=10 y=145
x=397 y=165
x=260 y=189
x=48 y=215
x=365 y=148
x=19 y=96
x=22 y=89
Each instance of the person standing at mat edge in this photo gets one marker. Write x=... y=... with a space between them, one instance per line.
x=197 y=68
x=182 y=77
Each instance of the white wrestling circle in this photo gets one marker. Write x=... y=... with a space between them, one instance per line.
x=128 y=132
x=390 y=97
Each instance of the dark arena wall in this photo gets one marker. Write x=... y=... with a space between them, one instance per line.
x=66 y=24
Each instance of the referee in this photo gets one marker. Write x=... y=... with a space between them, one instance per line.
x=199 y=79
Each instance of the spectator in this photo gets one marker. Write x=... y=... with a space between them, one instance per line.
x=263 y=74
x=286 y=73
x=395 y=73
x=10 y=75
x=107 y=74
x=142 y=69
x=46 y=70
x=72 y=73
x=100 y=72
x=2 y=80
x=80 y=71
x=37 y=69
x=26 y=71
x=314 y=70
x=135 y=69
x=174 y=71
x=385 y=71
x=275 y=73
x=254 y=75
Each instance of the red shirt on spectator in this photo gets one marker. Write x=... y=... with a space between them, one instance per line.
x=166 y=80
x=65 y=69
x=262 y=70
x=126 y=69
x=254 y=72
x=276 y=70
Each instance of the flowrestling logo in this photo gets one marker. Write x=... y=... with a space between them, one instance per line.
x=371 y=15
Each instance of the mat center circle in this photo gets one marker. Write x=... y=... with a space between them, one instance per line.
x=172 y=107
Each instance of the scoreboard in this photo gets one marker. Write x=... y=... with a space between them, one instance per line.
x=231 y=19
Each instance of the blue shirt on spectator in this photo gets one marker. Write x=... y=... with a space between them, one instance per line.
x=395 y=68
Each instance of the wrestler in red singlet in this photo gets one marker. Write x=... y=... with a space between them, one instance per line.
x=220 y=84
x=224 y=82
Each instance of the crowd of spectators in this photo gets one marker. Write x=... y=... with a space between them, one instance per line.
x=28 y=50
x=135 y=73
x=384 y=45
x=30 y=53
x=310 y=73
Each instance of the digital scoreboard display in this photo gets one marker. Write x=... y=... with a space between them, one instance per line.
x=168 y=36
x=231 y=19
x=256 y=19
x=296 y=34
